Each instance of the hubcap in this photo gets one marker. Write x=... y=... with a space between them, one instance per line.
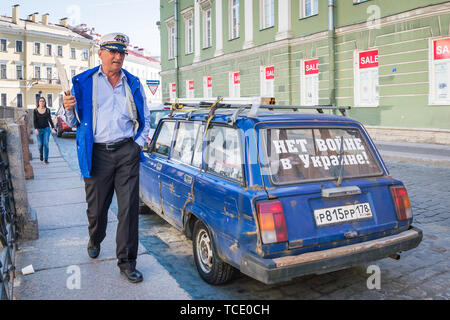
x=204 y=251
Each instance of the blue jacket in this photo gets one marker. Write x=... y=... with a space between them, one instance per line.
x=82 y=90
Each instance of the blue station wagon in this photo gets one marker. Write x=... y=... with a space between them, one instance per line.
x=275 y=194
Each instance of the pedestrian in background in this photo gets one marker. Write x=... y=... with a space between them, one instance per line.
x=42 y=122
x=107 y=104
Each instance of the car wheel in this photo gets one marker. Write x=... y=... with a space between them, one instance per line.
x=210 y=269
x=143 y=209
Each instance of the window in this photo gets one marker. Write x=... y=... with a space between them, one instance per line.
x=60 y=51
x=234 y=19
x=50 y=100
x=19 y=72
x=49 y=74
x=85 y=54
x=19 y=100
x=207 y=87
x=3 y=45
x=309 y=82
x=187 y=134
x=48 y=50
x=292 y=155
x=73 y=72
x=171 y=34
x=267 y=13
x=3 y=71
x=223 y=152
x=4 y=99
x=37 y=97
x=37 y=48
x=190 y=91
x=207 y=29
x=189 y=35
x=366 y=79
x=234 y=84
x=164 y=140
x=308 y=8
x=73 y=53
x=267 y=81
x=440 y=72
x=19 y=46
x=37 y=72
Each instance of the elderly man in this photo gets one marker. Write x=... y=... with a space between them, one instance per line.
x=107 y=104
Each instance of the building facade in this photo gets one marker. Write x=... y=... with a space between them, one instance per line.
x=27 y=65
x=388 y=60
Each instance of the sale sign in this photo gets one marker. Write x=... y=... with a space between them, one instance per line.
x=209 y=82
x=237 y=78
x=270 y=73
x=174 y=87
x=191 y=84
x=368 y=59
x=441 y=49
x=312 y=66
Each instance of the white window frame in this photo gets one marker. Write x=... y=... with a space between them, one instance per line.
x=6 y=45
x=432 y=99
x=47 y=68
x=207 y=92
x=306 y=79
x=34 y=48
x=85 y=54
x=19 y=77
x=207 y=28
x=35 y=73
x=373 y=82
x=189 y=35
x=52 y=102
x=6 y=71
x=6 y=99
x=21 y=100
x=314 y=8
x=190 y=94
x=267 y=86
x=46 y=49
x=267 y=10
x=62 y=50
x=73 y=53
x=15 y=46
x=233 y=32
x=171 y=39
x=234 y=88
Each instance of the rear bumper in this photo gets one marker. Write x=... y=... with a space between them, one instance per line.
x=286 y=268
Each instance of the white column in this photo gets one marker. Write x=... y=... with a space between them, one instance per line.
x=197 y=31
x=219 y=29
x=248 y=11
x=284 y=20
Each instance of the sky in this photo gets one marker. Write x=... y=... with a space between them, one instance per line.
x=135 y=18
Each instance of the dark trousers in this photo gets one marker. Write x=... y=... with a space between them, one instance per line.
x=115 y=171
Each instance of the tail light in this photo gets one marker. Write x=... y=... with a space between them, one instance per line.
x=402 y=204
x=271 y=222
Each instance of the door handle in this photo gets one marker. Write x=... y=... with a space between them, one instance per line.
x=158 y=166
x=187 y=179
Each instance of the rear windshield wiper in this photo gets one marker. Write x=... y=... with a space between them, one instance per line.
x=341 y=162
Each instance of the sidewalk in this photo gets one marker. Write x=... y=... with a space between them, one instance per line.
x=415 y=152
x=57 y=194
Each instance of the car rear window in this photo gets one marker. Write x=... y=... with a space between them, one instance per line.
x=296 y=155
x=155 y=116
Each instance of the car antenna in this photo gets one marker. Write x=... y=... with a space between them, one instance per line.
x=341 y=162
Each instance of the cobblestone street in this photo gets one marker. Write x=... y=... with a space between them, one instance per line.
x=422 y=273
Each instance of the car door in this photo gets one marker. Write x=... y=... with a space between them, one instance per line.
x=151 y=167
x=178 y=178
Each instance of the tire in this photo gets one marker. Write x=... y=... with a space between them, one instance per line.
x=210 y=269
x=143 y=209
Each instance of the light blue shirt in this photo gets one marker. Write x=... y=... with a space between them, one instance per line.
x=113 y=118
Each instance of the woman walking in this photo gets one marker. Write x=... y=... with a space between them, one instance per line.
x=42 y=122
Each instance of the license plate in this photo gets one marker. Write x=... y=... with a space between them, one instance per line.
x=341 y=214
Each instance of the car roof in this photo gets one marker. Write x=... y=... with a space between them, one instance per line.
x=225 y=115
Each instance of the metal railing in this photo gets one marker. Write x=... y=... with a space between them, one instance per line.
x=8 y=221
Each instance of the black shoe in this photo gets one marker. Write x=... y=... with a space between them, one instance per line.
x=133 y=276
x=41 y=157
x=46 y=161
x=93 y=250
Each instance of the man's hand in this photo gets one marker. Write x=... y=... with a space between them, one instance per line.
x=36 y=131
x=69 y=101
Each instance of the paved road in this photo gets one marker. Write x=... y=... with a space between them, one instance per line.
x=423 y=273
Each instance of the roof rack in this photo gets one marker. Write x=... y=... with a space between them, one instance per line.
x=242 y=104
